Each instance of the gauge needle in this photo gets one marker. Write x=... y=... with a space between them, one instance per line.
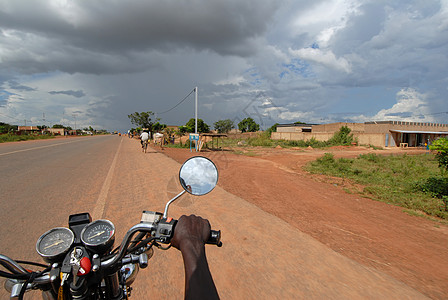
x=99 y=233
x=54 y=244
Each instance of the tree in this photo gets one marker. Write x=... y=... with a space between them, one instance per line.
x=342 y=137
x=248 y=125
x=270 y=130
x=298 y=123
x=143 y=119
x=58 y=126
x=441 y=146
x=182 y=130
x=224 y=126
x=5 y=127
x=158 y=127
x=202 y=126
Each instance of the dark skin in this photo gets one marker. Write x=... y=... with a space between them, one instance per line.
x=190 y=235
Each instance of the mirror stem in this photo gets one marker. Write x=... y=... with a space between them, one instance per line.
x=165 y=214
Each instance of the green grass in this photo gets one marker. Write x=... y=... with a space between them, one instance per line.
x=15 y=138
x=265 y=141
x=391 y=179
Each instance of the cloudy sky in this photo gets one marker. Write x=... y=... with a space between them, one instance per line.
x=94 y=62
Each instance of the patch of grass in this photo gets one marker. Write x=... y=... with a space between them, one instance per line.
x=185 y=145
x=414 y=213
x=390 y=179
x=265 y=141
x=262 y=141
x=16 y=138
x=303 y=144
x=374 y=147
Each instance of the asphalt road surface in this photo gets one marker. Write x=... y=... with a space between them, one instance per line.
x=263 y=257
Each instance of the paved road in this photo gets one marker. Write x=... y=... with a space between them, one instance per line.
x=42 y=182
x=263 y=257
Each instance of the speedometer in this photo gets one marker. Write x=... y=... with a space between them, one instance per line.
x=53 y=244
x=99 y=235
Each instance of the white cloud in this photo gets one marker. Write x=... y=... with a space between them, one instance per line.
x=411 y=106
x=324 y=58
x=325 y=19
x=294 y=116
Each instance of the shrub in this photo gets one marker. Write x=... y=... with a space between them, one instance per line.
x=441 y=146
x=435 y=186
x=327 y=159
x=342 y=137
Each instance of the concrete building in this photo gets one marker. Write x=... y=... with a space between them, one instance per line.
x=379 y=134
x=56 y=131
x=27 y=129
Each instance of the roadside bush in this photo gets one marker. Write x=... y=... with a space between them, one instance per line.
x=437 y=187
x=270 y=130
x=315 y=143
x=342 y=137
x=327 y=159
x=441 y=146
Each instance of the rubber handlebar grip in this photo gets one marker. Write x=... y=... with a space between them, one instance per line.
x=215 y=238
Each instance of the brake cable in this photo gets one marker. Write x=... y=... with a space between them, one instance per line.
x=141 y=244
x=24 y=286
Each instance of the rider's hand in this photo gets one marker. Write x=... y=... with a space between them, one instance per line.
x=190 y=235
x=190 y=231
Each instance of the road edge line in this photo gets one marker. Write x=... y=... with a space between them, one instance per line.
x=98 y=211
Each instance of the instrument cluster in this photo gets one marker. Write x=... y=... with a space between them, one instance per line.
x=97 y=236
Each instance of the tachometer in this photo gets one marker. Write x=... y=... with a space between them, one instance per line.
x=54 y=243
x=99 y=235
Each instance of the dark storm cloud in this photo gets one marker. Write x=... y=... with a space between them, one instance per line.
x=77 y=94
x=281 y=61
x=19 y=87
x=106 y=36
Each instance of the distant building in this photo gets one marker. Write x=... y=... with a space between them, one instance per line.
x=27 y=128
x=379 y=134
x=56 y=131
x=174 y=127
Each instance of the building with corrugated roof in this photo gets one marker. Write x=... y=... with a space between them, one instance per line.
x=379 y=134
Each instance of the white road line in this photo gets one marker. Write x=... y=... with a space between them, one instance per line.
x=98 y=211
x=29 y=149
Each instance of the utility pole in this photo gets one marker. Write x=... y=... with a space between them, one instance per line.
x=196 y=110
x=74 y=116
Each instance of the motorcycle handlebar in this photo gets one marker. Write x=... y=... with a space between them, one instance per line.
x=215 y=238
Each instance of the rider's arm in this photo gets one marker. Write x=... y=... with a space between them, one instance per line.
x=190 y=235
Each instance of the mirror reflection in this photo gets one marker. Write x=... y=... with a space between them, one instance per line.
x=198 y=175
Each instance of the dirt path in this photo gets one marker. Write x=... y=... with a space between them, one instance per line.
x=377 y=235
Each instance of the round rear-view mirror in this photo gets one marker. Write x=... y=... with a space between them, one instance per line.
x=198 y=175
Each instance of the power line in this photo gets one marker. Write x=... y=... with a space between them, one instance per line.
x=10 y=117
x=177 y=103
